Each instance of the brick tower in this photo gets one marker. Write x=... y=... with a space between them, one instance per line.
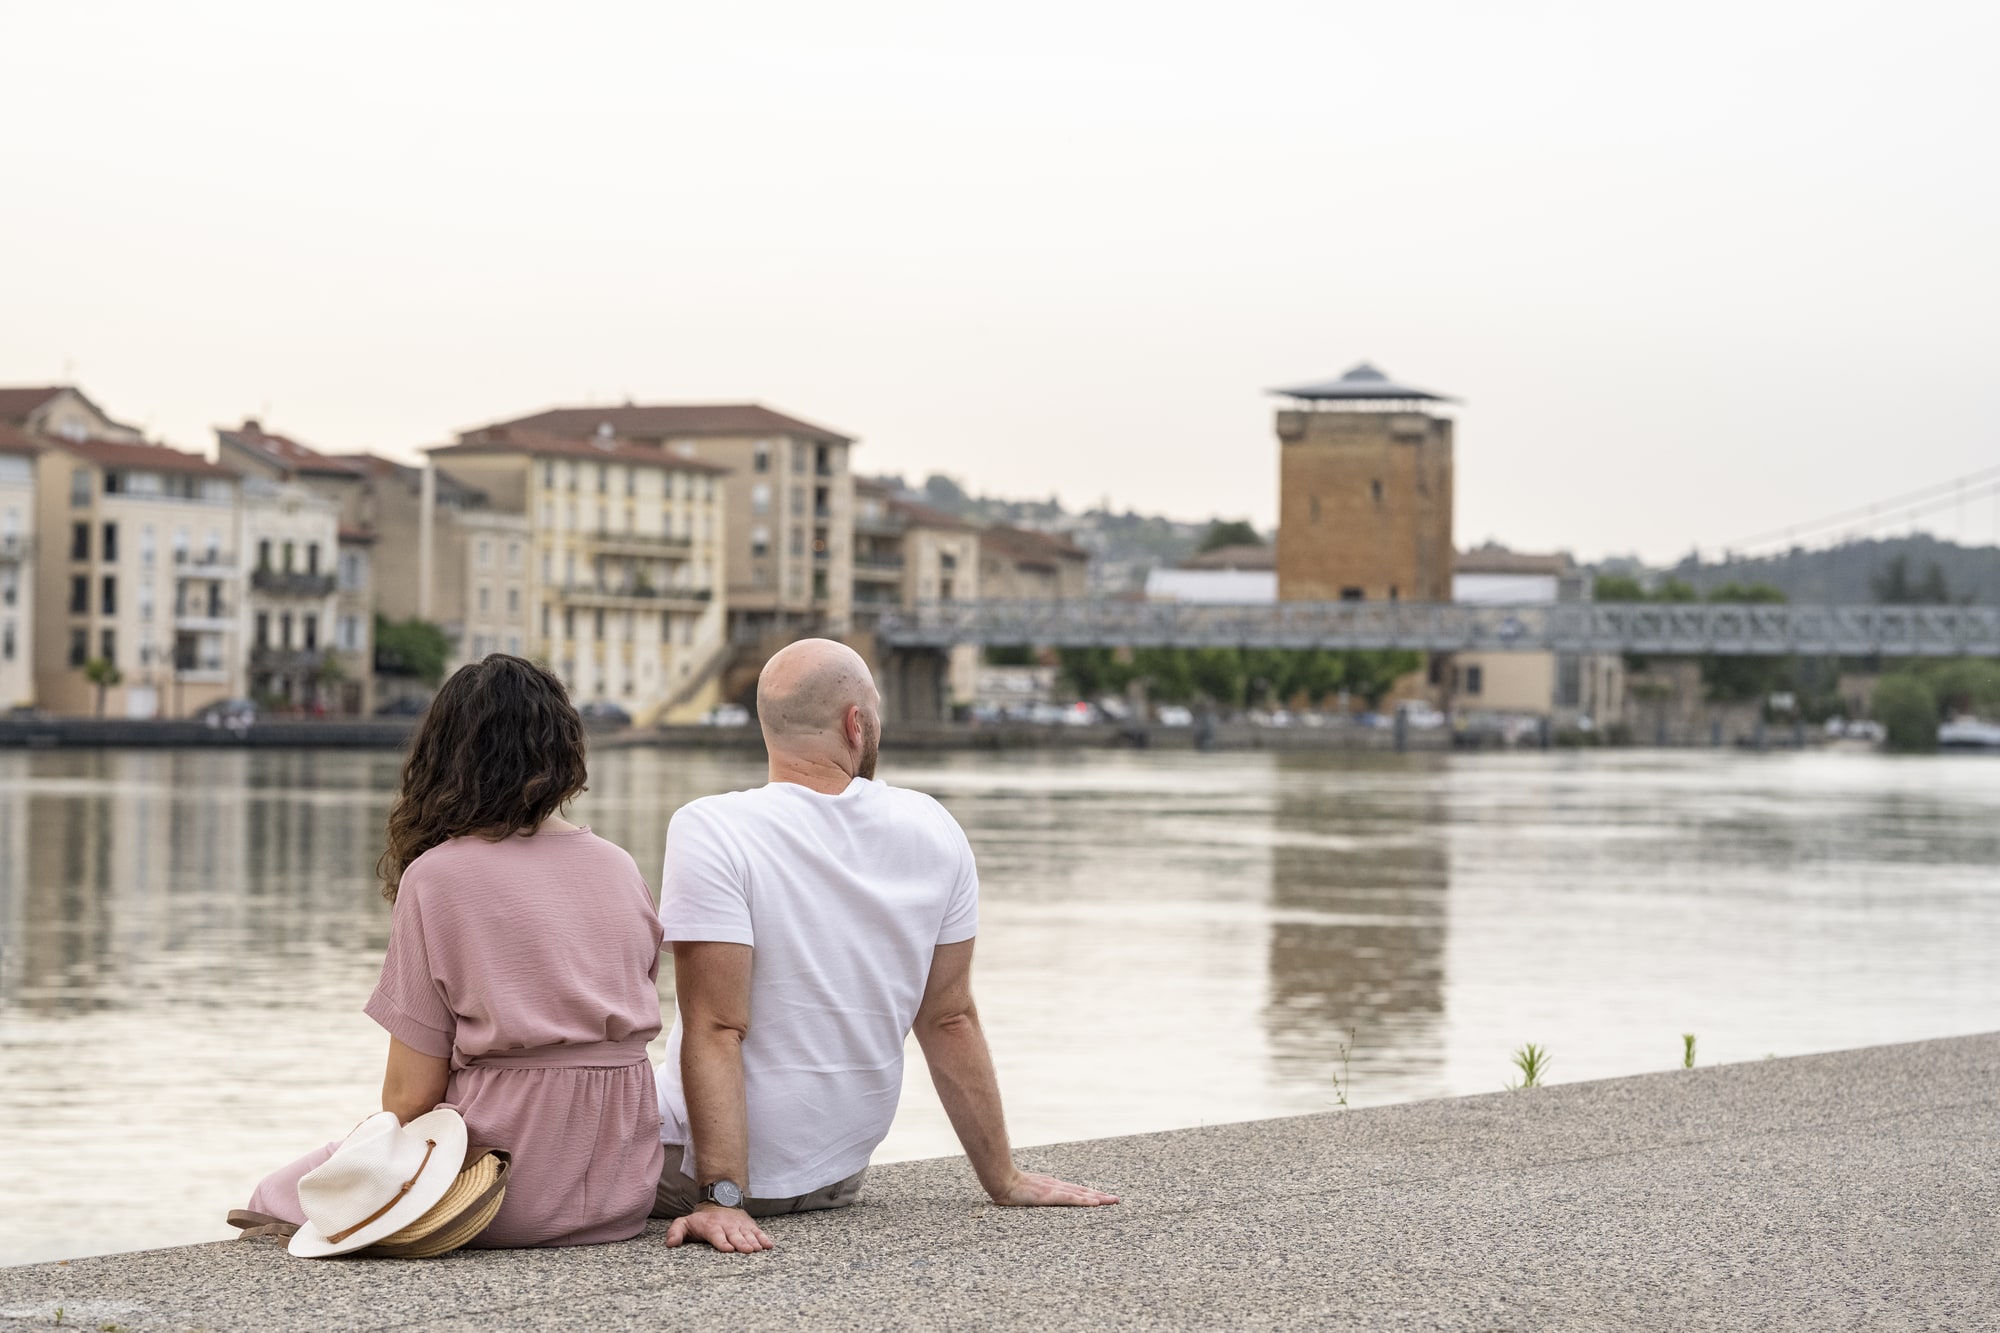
x=1364 y=492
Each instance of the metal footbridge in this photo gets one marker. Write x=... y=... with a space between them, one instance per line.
x=1661 y=628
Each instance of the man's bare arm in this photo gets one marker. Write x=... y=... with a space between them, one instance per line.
x=954 y=1047
x=712 y=987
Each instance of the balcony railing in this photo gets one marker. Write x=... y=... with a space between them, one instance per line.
x=641 y=541
x=636 y=595
x=290 y=583
x=209 y=616
x=13 y=550
x=204 y=564
x=281 y=660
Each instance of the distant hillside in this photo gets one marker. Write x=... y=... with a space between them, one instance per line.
x=1849 y=573
x=1123 y=547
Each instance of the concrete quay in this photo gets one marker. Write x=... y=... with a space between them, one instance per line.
x=1845 y=1191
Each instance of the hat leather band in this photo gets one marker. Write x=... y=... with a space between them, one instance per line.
x=430 y=1146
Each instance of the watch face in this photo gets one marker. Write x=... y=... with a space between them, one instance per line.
x=725 y=1193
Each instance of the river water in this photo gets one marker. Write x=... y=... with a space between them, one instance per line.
x=1166 y=939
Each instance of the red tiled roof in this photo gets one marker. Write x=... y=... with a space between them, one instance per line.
x=289 y=453
x=142 y=458
x=1027 y=544
x=14 y=440
x=923 y=516
x=662 y=421
x=1487 y=560
x=1233 y=557
x=16 y=405
x=515 y=439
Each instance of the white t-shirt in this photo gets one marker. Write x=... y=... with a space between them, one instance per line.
x=843 y=900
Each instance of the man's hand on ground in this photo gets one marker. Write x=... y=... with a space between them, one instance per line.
x=727 y=1229
x=1028 y=1190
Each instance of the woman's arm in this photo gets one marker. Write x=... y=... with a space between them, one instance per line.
x=414 y=1082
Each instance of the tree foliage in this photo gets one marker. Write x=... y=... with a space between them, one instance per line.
x=103 y=673
x=1907 y=708
x=1239 y=677
x=411 y=648
x=1230 y=532
x=1893 y=585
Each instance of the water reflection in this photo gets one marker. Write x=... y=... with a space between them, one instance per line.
x=1359 y=880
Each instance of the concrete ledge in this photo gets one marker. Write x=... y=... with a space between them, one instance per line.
x=1854 y=1190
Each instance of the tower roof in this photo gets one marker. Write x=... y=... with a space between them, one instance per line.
x=1364 y=383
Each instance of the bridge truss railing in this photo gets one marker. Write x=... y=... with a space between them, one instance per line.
x=1664 y=628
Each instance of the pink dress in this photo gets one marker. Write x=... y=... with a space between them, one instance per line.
x=531 y=962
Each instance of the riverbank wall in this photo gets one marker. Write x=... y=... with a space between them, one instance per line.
x=1856 y=1190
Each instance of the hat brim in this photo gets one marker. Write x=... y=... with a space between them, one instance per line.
x=448 y=1129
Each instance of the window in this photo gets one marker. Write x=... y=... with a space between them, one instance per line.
x=513 y=555
x=110 y=542
x=109 y=605
x=947 y=561
x=666 y=628
x=798 y=455
x=485 y=552
x=212 y=548
x=353 y=571
x=1353 y=595
x=10 y=585
x=760 y=499
x=598 y=617
x=347 y=634
x=485 y=599
x=603 y=479
x=107 y=643
x=798 y=502
x=312 y=557
x=264 y=553
x=514 y=644
x=798 y=541
x=513 y=601
x=79 y=647
x=7 y=641
x=1395 y=593
x=1375 y=488
x=631 y=481
x=548 y=613
x=1475 y=679
x=263 y=629
x=549 y=475
x=309 y=623
x=79 y=541
x=285 y=630
x=180 y=546
x=289 y=552
x=760 y=542
x=79 y=490
x=79 y=595
x=569 y=622
x=147 y=552
x=761 y=458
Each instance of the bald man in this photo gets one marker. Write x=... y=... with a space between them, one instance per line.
x=816 y=922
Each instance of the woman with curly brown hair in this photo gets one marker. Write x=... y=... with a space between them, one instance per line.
x=519 y=981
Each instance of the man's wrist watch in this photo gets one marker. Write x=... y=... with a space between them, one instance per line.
x=724 y=1193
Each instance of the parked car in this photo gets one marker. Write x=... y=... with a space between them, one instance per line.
x=1421 y=715
x=604 y=714
x=726 y=715
x=1174 y=715
x=1080 y=714
x=406 y=705
x=235 y=714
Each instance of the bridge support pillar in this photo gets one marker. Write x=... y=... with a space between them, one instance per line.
x=916 y=685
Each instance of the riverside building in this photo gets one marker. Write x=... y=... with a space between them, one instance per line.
x=137 y=567
x=1364 y=492
x=17 y=566
x=788 y=497
x=622 y=564
x=291 y=537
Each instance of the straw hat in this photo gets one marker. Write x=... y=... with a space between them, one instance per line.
x=384 y=1177
x=464 y=1211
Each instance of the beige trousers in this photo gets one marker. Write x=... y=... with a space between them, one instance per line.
x=677 y=1195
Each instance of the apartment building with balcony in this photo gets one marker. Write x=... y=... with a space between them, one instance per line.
x=351 y=483
x=18 y=452
x=625 y=560
x=137 y=563
x=788 y=497
x=291 y=541
x=1022 y=565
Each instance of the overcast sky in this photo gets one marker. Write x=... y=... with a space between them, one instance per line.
x=1696 y=270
